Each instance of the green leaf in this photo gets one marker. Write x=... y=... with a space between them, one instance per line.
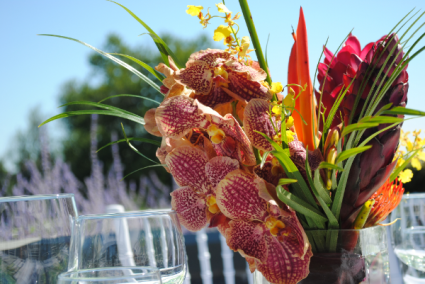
x=264 y=158
x=333 y=223
x=101 y=112
x=107 y=107
x=284 y=181
x=381 y=119
x=398 y=170
x=299 y=205
x=161 y=45
x=122 y=63
x=127 y=95
x=134 y=148
x=329 y=166
x=154 y=142
x=254 y=38
x=351 y=152
x=357 y=126
x=151 y=166
x=323 y=192
x=158 y=75
x=403 y=110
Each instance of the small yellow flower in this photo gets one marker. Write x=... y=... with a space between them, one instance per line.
x=276 y=87
x=416 y=163
x=290 y=136
x=222 y=32
x=421 y=156
x=406 y=176
x=228 y=40
x=222 y=8
x=277 y=109
x=194 y=10
x=244 y=49
x=289 y=100
x=289 y=122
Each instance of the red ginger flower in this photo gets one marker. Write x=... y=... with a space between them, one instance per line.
x=179 y=115
x=217 y=77
x=198 y=177
x=387 y=198
x=271 y=238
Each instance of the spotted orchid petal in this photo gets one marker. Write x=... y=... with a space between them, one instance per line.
x=254 y=74
x=168 y=145
x=187 y=165
x=199 y=71
x=257 y=118
x=216 y=97
x=191 y=208
x=282 y=265
x=242 y=88
x=177 y=116
x=218 y=167
x=247 y=238
x=298 y=155
x=232 y=129
x=251 y=263
x=237 y=197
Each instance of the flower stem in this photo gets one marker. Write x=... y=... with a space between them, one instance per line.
x=253 y=33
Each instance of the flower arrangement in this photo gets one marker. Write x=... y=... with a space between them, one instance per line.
x=264 y=168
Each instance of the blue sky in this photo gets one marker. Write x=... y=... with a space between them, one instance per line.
x=34 y=68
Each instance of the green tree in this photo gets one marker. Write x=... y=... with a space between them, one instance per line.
x=113 y=80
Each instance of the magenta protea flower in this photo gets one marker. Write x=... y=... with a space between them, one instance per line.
x=269 y=236
x=361 y=67
x=217 y=77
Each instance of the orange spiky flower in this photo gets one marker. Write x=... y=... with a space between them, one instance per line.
x=299 y=73
x=386 y=198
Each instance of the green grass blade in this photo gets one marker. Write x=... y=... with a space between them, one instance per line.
x=299 y=205
x=154 y=142
x=134 y=148
x=101 y=112
x=324 y=194
x=329 y=166
x=357 y=126
x=128 y=95
x=403 y=110
x=158 y=75
x=107 y=107
x=162 y=46
x=284 y=181
x=113 y=58
x=151 y=166
x=351 y=152
x=333 y=223
x=264 y=159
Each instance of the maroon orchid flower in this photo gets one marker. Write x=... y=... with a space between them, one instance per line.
x=179 y=115
x=259 y=229
x=217 y=77
x=198 y=177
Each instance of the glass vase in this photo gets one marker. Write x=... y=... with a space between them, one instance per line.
x=346 y=256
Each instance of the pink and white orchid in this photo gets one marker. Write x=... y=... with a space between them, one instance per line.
x=198 y=177
x=260 y=229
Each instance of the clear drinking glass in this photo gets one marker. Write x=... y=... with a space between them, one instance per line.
x=112 y=275
x=35 y=237
x=143 y=238
x=408 y=236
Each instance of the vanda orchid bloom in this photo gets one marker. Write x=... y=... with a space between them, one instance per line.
x=269 y=236
x=217 y=77
x=198 y=177
x=179 y=115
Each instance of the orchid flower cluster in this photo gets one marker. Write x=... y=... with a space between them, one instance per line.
x=267 y=168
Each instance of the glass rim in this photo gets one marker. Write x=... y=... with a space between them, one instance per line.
x=68 y=275
x=36 y=197
x=128 y=214
x=413 y=195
